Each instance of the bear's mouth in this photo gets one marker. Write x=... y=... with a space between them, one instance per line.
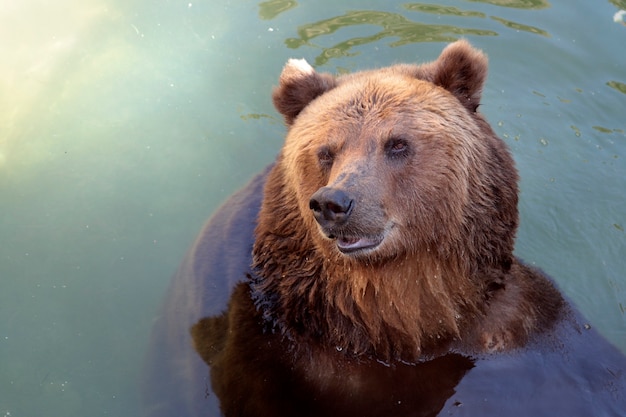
x=352 y=244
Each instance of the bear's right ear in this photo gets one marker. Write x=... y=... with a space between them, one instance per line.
x=299 y=85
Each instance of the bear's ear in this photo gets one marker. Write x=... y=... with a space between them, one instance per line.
x=462 y=70
x=299 y=84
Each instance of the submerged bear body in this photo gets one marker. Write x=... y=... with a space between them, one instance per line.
x=370 y=270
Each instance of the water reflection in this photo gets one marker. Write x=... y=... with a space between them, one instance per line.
x=621 y=4
x=521 y=27
x=272 y=8
x=453 y=11
x=392 y=24
x=442 y=10
x=47 y=48
x=517 y=4
x=333 y=386
x=621 y=87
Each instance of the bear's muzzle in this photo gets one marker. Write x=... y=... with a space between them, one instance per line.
x=331 y=207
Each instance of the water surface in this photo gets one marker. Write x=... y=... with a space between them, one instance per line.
x=124 y=124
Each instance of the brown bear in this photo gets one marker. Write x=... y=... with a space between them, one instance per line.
x=370 y=270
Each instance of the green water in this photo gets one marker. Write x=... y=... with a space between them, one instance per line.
x=124 y=124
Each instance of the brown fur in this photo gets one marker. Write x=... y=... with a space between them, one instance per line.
x=383 y=234
x=445 y=275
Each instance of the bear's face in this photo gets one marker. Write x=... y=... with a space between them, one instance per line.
x=389 y=217
x=381 y=161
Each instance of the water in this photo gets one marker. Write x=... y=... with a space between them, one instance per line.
x=124 y=124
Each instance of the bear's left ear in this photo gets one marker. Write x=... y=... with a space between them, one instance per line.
x=299 y=84
x=462 y=70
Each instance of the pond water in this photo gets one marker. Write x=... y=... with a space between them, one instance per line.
x=123 y=124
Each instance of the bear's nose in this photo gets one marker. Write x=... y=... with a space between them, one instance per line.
x=331 y=206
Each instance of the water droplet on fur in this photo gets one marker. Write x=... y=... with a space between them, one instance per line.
x=339 y=348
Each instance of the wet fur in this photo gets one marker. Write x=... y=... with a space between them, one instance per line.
x=448 y=276
x=290 y=326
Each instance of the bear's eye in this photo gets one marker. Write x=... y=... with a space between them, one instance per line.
x=396 y=148
x=325 y=157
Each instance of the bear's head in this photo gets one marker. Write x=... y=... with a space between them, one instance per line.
x=390 y=206
x=393 y=161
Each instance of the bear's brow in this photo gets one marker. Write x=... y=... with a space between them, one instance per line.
x=376 y=95
x=368 y=101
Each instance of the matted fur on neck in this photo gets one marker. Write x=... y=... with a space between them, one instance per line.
x=402 y=309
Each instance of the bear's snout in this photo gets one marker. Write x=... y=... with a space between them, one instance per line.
x=331 y=206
